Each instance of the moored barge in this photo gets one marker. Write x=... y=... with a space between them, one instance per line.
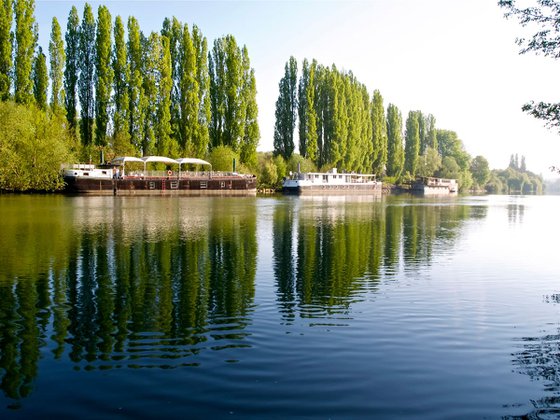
x=331 y=182
x=132 y=176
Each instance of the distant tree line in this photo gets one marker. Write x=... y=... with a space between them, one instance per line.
x=342 y=126
x=121 y=91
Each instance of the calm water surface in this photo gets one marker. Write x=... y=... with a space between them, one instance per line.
x=279 y=307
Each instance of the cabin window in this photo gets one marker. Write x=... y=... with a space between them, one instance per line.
x=222 y=184
x=325 y=178
x=174 y=185
x=152 y=185
x=86 y=173
x=203 y=184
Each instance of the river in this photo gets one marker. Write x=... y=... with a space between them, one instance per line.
x=276 y=307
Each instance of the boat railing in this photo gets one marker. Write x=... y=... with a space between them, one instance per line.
x=182 y=174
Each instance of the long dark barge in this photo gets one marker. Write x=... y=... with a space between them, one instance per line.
x=130 y=176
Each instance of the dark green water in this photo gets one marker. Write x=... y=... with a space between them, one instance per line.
x=279 y=307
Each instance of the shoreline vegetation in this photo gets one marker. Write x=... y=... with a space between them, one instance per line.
x=108 y=89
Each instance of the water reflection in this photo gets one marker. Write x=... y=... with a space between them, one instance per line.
x=539 y=358
x=136 y=282
x=328 y=251
x=124 y=282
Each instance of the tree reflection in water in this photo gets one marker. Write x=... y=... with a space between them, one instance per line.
x=540 y=360
x=131 y=283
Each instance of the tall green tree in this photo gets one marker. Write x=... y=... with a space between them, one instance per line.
x=40 y=79
x=431 y=132
x=480 y=170
x=189 y=98
x=227 y=100
x=251 y=134
x=395 y=151
x=86 y=54
x=164 y=143
x=26 y=38
x=202 y=134
x=57 y=61
x=412 y=143
x=72 y=69
x=306 y=111
x=152 y=53
x=103 y=74
x=379 y=134
x=121 y=77
x=135 y=85
x=6 y=16
x=286 y=108
x=173 y=30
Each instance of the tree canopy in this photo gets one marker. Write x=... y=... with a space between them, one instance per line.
x=543 y=18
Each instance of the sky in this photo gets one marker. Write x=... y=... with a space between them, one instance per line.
x=455 y=59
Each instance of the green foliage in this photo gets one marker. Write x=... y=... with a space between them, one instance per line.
x=6 y=15
x=298 y=162
x=379 y=134
x=121 y=78
x=429 y=163
x=26 y=38
x=189 y=95
x=57 y=61
x=71 y=70
x=33 y=146
x=286 y=107
x=221 y=158
x=395 y=150
x=480 y=170
x=251 y=135
x=515 y=180
x=136 y=99
x=40 y=79
x=201 y=133
x=103 y=75
x=164 y=143
x=412 y=142
x=545 y=18
x=86 y=65
x=307 y=112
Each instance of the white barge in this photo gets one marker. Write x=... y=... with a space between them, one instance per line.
x=331 y=182
x=435 y=186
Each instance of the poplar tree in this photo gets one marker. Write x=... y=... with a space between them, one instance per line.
x=135 y=90
x=286 y=107
x=173 y=30
x=57 y=61
x=251 y=136
x=395 y=152
x=86 y=64
x=227 y=125
x=202 y=135
x=6 y=16
x=164 y=144
x=40 y=79
x=151 y=59
x=431 y=132
x=412 y=143
x=71 y=71
x=121 y=135
x=26 y=38
x=379 y=134
x=103 y=74
x=189 y=98
x=306 y=111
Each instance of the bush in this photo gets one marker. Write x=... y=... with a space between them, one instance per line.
x=33 y=147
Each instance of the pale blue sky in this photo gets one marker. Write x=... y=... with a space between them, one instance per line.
x=455 y=59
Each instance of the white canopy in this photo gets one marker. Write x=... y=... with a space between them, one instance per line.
x=122 y=159
x=193 y=161
x=160 y=159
